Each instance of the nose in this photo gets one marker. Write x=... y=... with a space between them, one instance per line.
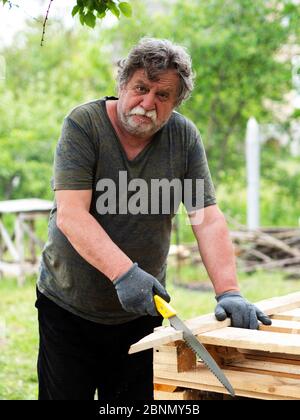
x=148 y=101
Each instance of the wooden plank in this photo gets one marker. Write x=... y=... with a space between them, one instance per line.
x=25 y=205
x=211 y=388
x=165 y=388
x=185 y=394
x=30 y=230
x=14 y=268
x=266 y=240
x=7 y=240
x=208 y=323
x=252 y=384
x=292 y=315
x=225 y=355
x=265 y=355
x=286 y=370
x=158 y=338
x=19 y=232
x=178 y=358
x=280 y=304
x=34 y=215
x=284 y=326
x=272 y=264
x=10 y=268
x=164 y=335
x=253 y=340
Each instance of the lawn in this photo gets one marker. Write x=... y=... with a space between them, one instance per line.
x=18 y=330
x=18 y=324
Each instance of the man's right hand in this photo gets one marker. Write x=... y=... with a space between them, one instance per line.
x=135 y=290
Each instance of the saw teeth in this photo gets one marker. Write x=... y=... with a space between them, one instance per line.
x=208 y=367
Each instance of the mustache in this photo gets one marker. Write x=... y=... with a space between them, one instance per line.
x=138 y=110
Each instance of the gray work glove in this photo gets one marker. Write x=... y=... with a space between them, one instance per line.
x=243 y=314
x=135 y=290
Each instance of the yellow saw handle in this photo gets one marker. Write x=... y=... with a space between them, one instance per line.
x=163 y=307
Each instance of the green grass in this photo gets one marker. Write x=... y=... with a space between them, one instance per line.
x=255 y=287
x=18 y=353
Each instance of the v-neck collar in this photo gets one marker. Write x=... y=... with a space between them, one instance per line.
x=144 y=151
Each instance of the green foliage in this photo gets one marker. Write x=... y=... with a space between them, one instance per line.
x=90 y=10
x=234 y=51
x=125 y=8
x=41 y=87
x=234 y=46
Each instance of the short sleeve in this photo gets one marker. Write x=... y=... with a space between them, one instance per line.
x=198 y=171
x=75 y=158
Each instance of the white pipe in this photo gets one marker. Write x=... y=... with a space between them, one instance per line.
x=253 y=173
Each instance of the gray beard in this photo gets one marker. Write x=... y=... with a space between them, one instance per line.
x=138 y=130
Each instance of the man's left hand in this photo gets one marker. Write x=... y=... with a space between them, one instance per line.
x=243 y=314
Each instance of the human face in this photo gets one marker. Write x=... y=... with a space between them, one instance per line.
x=144 y=106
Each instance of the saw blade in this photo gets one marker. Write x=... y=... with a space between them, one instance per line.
x=201 y=352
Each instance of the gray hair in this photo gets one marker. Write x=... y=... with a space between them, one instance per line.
x=156 y=56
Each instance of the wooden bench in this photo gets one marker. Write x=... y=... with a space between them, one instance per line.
x=23 y=240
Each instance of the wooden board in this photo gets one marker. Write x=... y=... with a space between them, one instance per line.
x=246 y=385
x=253 y=340
x=292 y=315
x=163 y=335
x=250 y=377
x=25 y=205
x=260 y=364
x=204 y=324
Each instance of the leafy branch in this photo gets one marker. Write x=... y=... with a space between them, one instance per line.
x=89 y=11
x=45 y=22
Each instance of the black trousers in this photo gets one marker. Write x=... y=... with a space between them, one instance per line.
x=78 y=357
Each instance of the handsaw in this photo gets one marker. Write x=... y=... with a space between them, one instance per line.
x=166 y=310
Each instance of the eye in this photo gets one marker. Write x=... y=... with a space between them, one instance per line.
x=163 y=96
x=141 y=89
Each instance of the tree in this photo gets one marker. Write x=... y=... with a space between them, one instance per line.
x=41 y=87
x=235 y=46
x=89 y=11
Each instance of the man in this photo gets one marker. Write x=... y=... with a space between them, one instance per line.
x=108 y=243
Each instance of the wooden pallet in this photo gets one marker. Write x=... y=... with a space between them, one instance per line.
x=261 y=364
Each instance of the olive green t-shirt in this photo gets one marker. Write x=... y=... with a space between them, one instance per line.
x=88 y=153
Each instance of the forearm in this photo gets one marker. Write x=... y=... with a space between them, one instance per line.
x=93 y=244
x=217 y=253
